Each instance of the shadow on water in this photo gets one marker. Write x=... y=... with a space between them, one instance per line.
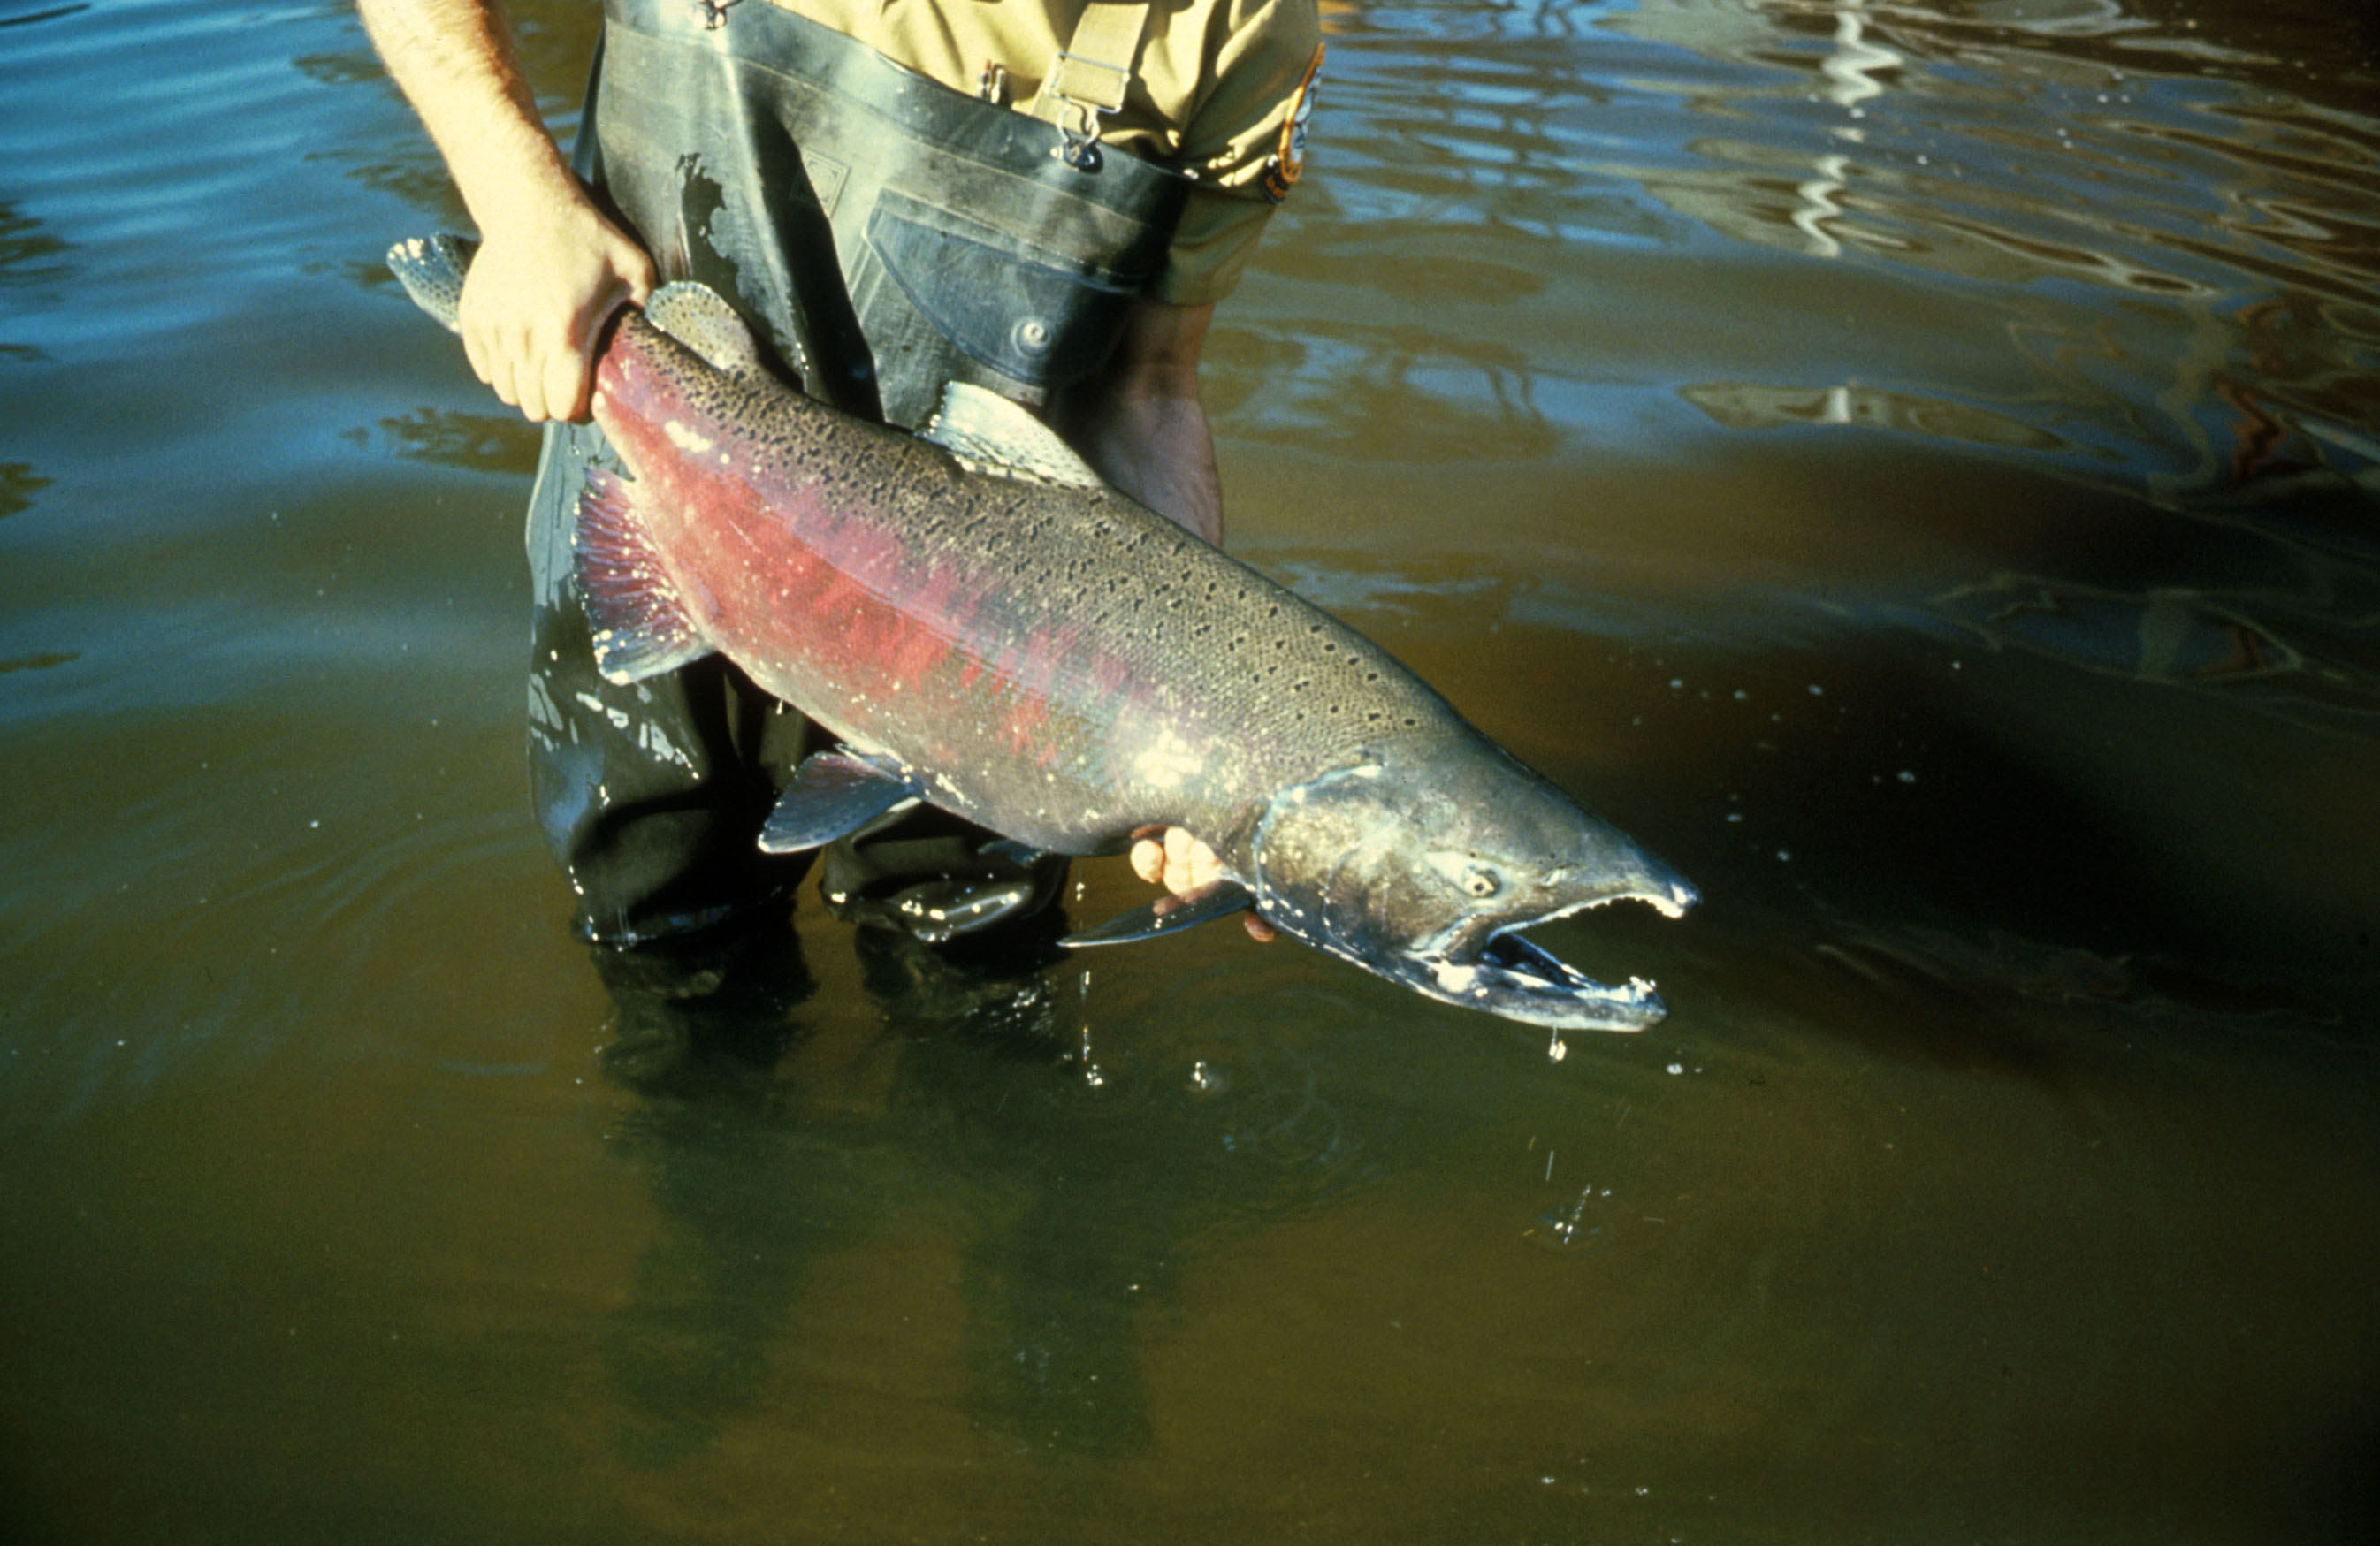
x=18 y=484
x=968 y=1091
x=697 y=1032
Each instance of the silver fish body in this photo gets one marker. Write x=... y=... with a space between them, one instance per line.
x=1052 y=661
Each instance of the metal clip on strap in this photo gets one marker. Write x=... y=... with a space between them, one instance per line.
x=1090 y=76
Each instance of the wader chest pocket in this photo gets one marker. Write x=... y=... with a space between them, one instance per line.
x=1020 y=310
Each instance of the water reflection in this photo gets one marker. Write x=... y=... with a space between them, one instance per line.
x=2060 y=214
x=1486 y=396
x=2169 y=636
x=29 y=252
x=1741 y=405
x=963 y=1113
x=470 y=442
x=1979 y=971
x=698 y=1030
x=49 y=13
x=18 y=484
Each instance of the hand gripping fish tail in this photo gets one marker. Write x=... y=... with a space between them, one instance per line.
x=985 y=627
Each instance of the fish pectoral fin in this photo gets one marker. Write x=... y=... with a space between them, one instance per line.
x=1217 y=898
x=992 y=435
x=640 y=628
x=833 y=794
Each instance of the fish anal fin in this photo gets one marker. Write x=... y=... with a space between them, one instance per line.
x=833 y=795
x=640 y=627
x=1217 y=898
x=993 y=435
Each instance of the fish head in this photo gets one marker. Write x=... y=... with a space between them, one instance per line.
x=1424 y=868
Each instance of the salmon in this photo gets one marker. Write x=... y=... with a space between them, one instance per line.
x=985 y=626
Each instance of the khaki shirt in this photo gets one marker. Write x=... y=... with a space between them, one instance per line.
x=1221 y=92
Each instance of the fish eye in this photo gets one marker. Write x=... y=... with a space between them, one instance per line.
x=1481 y=881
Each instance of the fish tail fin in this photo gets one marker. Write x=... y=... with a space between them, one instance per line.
x=699 y=318
x=642 y=628
x=431 y=270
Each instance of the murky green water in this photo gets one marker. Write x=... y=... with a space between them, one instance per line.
x=1916 y=467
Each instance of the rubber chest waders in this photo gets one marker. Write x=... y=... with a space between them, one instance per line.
x=886 y=235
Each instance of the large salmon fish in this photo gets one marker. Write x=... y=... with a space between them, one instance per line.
x=986 y=626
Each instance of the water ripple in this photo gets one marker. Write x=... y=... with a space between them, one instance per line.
x=2120 y=202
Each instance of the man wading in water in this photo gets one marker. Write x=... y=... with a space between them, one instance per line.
x=1042 y=197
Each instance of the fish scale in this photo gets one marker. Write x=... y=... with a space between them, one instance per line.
x=1212 y=665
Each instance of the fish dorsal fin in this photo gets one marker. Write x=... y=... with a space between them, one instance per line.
x=696 y=316
x=989 y=434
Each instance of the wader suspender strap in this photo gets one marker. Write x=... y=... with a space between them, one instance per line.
x=1090 y=76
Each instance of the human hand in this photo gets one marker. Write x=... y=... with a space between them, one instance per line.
x=534 y=304
x=1182 y=863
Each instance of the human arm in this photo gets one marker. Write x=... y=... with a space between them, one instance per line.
x=550 y=267
x=1140 y=423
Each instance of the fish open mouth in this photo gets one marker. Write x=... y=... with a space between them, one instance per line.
x=1518 y=979
x=1512 y=976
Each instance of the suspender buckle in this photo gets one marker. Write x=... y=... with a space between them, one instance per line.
x=1079 y=92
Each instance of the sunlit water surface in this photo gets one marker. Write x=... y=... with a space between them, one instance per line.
x=1916 y=467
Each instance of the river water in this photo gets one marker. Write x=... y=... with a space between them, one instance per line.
x=1916 y=466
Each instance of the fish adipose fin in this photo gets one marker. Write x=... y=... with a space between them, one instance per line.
x=641 y=629
x=989 y=434
x=1217 y=898
x=697 y=317
x=835 y=794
